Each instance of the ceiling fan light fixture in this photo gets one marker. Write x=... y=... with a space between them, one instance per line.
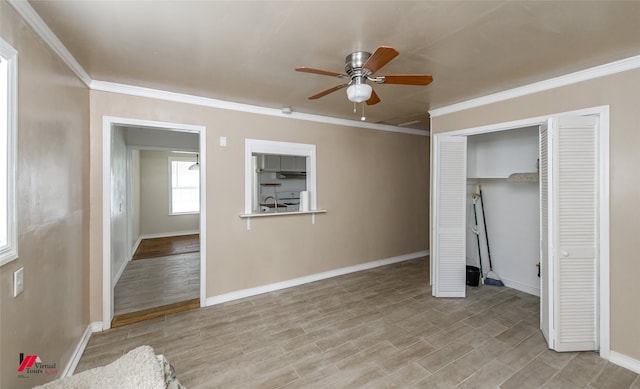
x=359 y=92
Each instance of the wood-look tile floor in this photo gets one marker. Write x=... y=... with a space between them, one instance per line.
x=153 y=282
x=379 y=328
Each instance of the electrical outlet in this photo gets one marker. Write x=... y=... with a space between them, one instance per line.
x=18 y=281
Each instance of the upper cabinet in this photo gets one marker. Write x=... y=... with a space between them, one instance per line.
x=500 y=154
x=269 y=162
x=293 y=163
x=282 y=163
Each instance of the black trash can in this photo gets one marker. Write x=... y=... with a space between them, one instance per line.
x=473 y=276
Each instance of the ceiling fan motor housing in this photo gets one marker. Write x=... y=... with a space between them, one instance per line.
x=354 y=63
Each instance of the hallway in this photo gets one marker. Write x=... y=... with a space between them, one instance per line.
x=153 y=282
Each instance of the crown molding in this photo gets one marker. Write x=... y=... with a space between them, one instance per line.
x=44 y=32
x=132 y=90
x=40 y=27
x=620 y=66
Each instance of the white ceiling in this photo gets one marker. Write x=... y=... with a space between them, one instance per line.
x=246 y=51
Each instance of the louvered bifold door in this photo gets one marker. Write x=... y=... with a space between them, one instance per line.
x=449 y=240
x=576 y=264
x=546 y=293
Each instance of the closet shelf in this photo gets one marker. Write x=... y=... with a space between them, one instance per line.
x=523 y=177
x=488 y=178
x=515 y=177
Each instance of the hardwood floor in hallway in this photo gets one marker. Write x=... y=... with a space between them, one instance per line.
x=170 y=245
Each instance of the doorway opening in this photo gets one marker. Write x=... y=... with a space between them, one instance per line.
x=154 y=217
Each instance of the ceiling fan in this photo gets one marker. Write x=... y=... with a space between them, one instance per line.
x=359 y=68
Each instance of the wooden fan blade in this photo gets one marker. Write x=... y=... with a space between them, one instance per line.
x=408 y=79
x=320 y=71
x=326 y=92
x=381 y=57
x=374 y=99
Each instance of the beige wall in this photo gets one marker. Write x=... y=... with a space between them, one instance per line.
x=622 y=93
x=50 y=316
x=373 y=184
x=154 y=192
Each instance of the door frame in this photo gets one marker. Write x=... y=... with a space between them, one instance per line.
x=108 y=123
x=603 y=213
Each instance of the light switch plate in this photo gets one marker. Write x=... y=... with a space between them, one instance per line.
x=223 y=141
x=18 y=281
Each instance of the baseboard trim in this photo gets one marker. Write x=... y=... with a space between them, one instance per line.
x=136 y=245
x=121 y=270
x=625 y=361
x=521 y=287
x=77 y=353
x=167 y=234
x=226 y=297
x=96 y=326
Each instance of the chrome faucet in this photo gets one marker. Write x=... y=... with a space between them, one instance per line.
x=274 y=200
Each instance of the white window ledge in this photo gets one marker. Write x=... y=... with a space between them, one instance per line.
x=265 y=214
x=249 y=216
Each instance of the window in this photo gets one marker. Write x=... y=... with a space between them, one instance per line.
x=184 y=194
x=296 y=156
x=8 y=109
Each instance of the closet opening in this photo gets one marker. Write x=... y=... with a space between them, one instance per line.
x=570 y=203
x=505 y=165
